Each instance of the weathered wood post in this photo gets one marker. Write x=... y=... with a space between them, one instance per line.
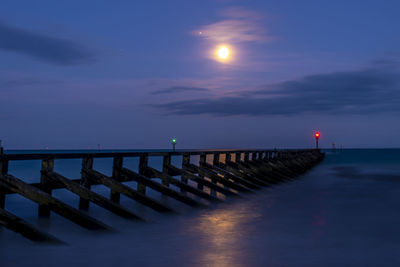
x=87 y=164
x=185 y=163
x=246 y=156
x=118 y=164
x=228 y=158
x=203 y=159
x=166 y=163
x=3 y=171
x=47 y=166
x=238 y=157
x=143 y=162
x=216 y=158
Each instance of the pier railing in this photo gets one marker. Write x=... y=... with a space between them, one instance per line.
x=226 y=173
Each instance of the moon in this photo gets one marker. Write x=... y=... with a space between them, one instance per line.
x=223 y=52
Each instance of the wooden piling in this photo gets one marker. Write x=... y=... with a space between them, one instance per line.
x=87 y=163
x=126 y=190
x=44 y=199
x=88 y=195
x=139 y=178
x=47 y=166
x=116 y=175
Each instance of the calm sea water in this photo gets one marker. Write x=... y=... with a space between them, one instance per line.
x=344 y=212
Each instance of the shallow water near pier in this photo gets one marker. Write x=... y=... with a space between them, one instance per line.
x=344 y=212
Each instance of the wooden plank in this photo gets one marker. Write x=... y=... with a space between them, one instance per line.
x=160 y=188
x=152 y=173
x=91 y=196
x=126 y=190
x=176 y=171
x=264 y=175
x=221 y=168
x=42 y=198
x=19 y=226
x=230 y=176
x=219 y=179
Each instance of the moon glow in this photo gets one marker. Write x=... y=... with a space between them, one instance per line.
x=223 y=52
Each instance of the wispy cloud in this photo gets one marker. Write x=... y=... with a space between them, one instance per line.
x=369 y=91
x=179 y=89
x=43 y=47
x=237 y=25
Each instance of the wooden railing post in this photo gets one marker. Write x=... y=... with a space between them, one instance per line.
x=118 y=164
x=228 y=158
x=238 y=157
x=216 y=158
x=185 y=162
x=87 y=164
x=143 y=162
x=166 y=163
x=47 y=166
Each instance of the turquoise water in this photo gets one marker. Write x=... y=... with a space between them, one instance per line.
x=344 y=212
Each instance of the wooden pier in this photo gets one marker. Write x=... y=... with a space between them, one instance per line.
x=228 y=173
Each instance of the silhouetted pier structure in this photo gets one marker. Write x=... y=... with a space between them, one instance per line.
x=228 y=173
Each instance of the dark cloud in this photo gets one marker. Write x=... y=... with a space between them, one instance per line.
x=179 y=89
x=373 y=90
x=46 y=48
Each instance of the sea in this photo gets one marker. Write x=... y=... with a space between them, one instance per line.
x=343 y=212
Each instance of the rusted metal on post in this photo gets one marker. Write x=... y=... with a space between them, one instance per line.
x=118 y=164
x=45 y=185
x=87 y=164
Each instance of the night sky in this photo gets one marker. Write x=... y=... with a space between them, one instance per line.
x=134 y=74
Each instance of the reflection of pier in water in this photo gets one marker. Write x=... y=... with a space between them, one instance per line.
x=217 y=175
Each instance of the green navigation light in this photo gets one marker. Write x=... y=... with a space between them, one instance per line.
x=174 y=140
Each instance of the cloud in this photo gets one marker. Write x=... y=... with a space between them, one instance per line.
x=179 y=89
x=368 y=91
x=238 y=25
x=46 y=48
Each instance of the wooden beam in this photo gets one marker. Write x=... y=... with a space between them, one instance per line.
x=47 y=166
x=160 y=188
x=116 y=175
x=209 y=173
x=19 y=226
x=229 y=173
x=88 y=195
x=230 y=176
x=176 y=171
x=143 y=162
x=151 y=173
x=87 y=163
x=42 y=198
x=126 y=190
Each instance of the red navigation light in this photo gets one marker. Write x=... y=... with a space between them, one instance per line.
x=317 y=135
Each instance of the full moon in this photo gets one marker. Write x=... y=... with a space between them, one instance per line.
x=223 y=52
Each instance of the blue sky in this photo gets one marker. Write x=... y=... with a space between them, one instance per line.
x=134 y=74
